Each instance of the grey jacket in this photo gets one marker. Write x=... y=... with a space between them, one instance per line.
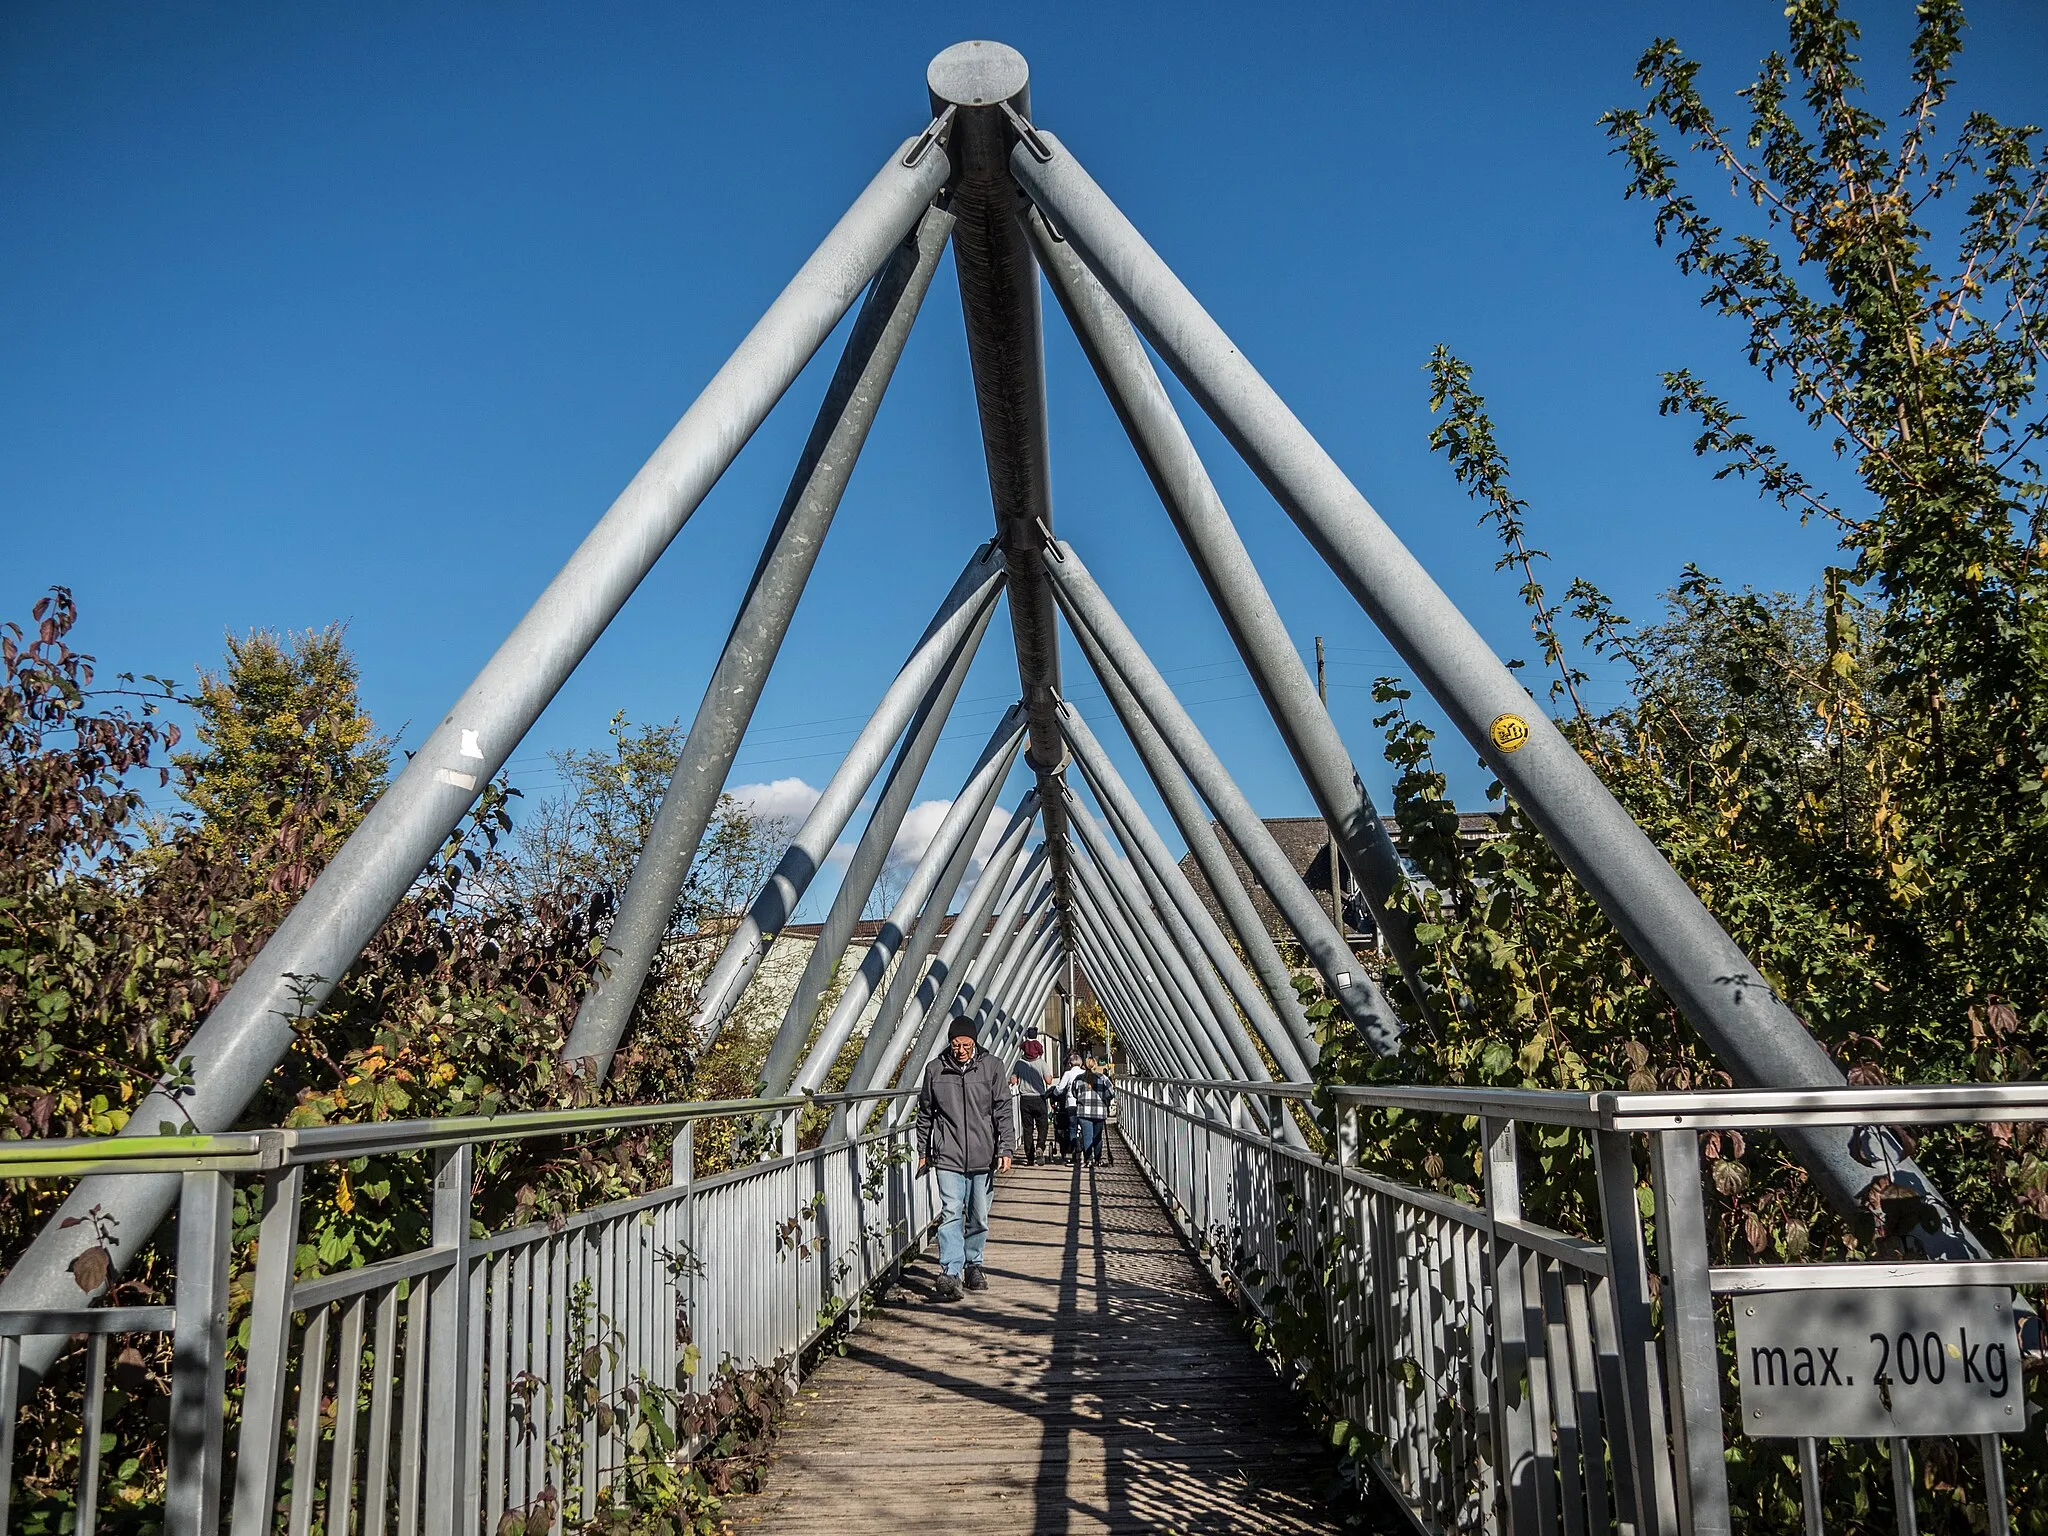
x=963 y=1114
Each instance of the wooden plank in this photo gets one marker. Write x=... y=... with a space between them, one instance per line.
x=1099 y=1384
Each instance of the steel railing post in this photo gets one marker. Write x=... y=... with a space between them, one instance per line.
x=1516 y=1463
x=1692 y=1349
x=1631 y=1377
x=199 y=1355
x=450 y=1386
x=258 y=1442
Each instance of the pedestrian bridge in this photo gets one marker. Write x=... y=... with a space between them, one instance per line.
x=1466 y=1366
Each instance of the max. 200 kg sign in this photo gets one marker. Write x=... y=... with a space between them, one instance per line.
x=1875 y=1363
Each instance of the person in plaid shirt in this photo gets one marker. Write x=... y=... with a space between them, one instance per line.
x=1089 y=1095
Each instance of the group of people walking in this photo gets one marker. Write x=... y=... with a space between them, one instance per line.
x=966 y=1134
x=1064 y=1116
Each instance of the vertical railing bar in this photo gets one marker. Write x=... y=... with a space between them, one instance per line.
x=258 y=1441
x=1614 y=1412
x=469 y=1485
x=448 y=1377
x=2000 y=1514
x=1811 y=1512
x=1564 y=1403
x=1640 y=1373
x=199 y=1346
x=517 y=1344
x=306 y=1430
x=87 y=1512
x=412 y=1413
x=1592 y=1431
x=1515 y=1440
x=10 y=1379
x=1691 y=1342
x=377 y=1475
x=590 y=1279
x=497 y=1367
x=348 y=1389
x=555 y=1372
x=1905 y=1507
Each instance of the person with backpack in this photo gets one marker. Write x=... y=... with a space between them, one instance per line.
x=1028 y=1078
x=1063 y=1106
x=1090 y=1095
x=964 y=1130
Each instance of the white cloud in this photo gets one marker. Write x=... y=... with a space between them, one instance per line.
x=786 y=800
x=919 y=826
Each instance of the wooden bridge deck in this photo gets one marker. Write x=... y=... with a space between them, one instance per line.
x=1098 y=1385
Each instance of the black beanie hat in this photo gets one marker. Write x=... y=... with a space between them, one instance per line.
x=960 y=1027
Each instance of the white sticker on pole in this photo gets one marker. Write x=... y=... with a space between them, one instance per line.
x=1870 y=1364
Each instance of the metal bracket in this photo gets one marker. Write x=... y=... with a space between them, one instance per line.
x=935 y=134
x=1040 y=150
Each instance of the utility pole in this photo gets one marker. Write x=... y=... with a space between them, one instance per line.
x=1336 y=868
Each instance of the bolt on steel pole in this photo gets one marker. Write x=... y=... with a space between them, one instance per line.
x=250 y=1029
x=1357 y=994
x=963 y=821
x=1226 y=569
x=1163 y=769
x=1737 y=1013
x=837 y=436
x=967 y=607
x=1149 y=854
x=865 y=867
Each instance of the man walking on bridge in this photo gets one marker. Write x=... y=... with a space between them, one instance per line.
x=964 y=1129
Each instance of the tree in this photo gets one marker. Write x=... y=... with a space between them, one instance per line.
x=1855 y=780
x=287 y=742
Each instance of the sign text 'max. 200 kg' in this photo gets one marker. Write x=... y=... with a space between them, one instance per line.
x=1871 y=1364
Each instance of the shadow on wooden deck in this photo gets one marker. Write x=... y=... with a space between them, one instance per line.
x=1098 y=1385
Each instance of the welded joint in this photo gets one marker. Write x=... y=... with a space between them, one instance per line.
x=941 y=128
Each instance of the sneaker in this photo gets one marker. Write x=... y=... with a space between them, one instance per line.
x=947 y=1289
x=974 y=1279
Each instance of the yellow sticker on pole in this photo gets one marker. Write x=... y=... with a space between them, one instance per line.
x=1509 y=732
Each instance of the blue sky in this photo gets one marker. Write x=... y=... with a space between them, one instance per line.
x=366 y=314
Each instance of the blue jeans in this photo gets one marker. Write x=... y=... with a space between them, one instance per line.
x=963 y=1218
x=1088 y=1136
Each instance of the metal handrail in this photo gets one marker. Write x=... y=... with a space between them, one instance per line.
x=1715 y=1109
x=1620 y=1420
x=76 y=1156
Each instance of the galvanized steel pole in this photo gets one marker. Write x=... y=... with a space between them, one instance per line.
x=1736 y=1011
x=962 y=825
x=966 y=608
x=1275 y=980
x=249 y=1031
x=987 y=88
x=1149 y=854
x=1355 y=990
x=808 y=507
x=1226 y=569
x=865 y=867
